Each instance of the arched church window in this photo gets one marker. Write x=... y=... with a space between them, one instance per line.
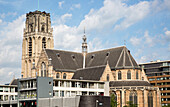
x=57 y=75
x=42 y=28
x=43 y=42
x=30 y=46
x=107 y=77
x=43 y=70
x=137 y=75
x=133 y=99
x=31 y=27
x=119 y=75
x=128 y=75
x=64 y=76
x=150 y=99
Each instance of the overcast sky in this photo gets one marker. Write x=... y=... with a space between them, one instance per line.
x=143 y=24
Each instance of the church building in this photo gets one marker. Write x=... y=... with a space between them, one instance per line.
x=127 y=79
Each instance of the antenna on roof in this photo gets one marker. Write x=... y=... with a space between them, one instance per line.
x=38 y=4
x=124 y=42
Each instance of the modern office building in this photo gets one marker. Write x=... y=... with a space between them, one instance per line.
x=33 y=92
x=8 y=96
x=158 y=73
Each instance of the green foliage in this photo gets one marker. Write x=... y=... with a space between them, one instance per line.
x=130 y=104
x=167 y=105
x=113 y=101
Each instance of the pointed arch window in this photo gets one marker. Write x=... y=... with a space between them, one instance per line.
x=57 y=75
x=107 y=77
x=137 y=77
x=43 y=42
x=128 y=75
x=42 y=28
x=133 y=97
x=43 y=69
x=150 y=99
x=30 y=47
x=119 y=75
x=64 y=76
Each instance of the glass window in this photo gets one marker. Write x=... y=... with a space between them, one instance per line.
x=128 y=75
x=137 y=75
x=43 y=69
x=107 y=77
x=119 y=75
x=57 y=75
x=1 y=89
x=133 y=97
x=44 y=43
x=64 y=76
x=150 y=99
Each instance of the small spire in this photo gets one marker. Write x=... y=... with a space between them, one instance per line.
x=84 y=44
x=84 y=37
x=84 y=30
x=124 y=42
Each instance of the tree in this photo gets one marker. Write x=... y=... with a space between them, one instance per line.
x=113 y=101
x=130 y=104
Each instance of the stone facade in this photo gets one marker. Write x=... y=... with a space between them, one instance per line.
x=37 y=35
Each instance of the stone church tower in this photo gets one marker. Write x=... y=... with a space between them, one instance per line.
x=37 y=36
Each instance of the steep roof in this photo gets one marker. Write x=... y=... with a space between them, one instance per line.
x=129 y=83
x=91 y=73
x=117 y=58
x=65 y=60
x=14 y=82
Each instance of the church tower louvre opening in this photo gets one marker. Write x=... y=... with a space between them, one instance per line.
x=37 y=36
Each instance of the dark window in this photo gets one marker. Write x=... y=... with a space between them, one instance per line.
x=57 y=75
x=43 y=28
x=150 y=99
x=133 y=97
x=137 y=75
x=43 y=70
x=128 y=75
x=107 y=54
x=107 y=77
x=31 y=27
x=119 y=75
x=30 y=47
x=64 y=76
x=43 y=43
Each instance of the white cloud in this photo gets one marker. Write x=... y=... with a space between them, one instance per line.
x=60 y=4
x=0 y=21
x=148 y=40
x=10 y=54
x=167 y=37
x=65 y=17
x=115 y=12
x=75 y=6
x=159 y=5
x=135 y=41
x=7 y=74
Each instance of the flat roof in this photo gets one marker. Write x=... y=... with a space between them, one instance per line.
x=158 y=61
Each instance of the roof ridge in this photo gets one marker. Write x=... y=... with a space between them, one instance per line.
x=107 y=49
x=63 y=51
x=91 y=67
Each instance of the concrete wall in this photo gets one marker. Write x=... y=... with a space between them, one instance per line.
x=59 y=102
x=44 y=87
